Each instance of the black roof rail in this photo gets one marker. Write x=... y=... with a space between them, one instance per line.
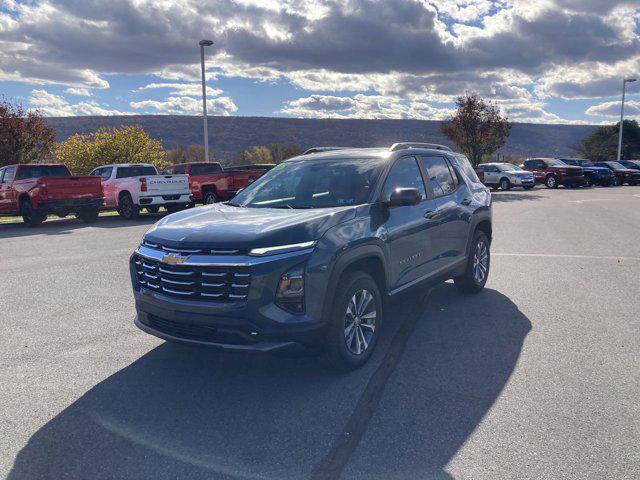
x=323 y=149
x=403 y=145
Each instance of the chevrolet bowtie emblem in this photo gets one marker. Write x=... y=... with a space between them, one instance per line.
x=173 y=258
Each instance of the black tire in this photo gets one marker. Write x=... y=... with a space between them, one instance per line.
x=154 y=209
x=209 y=197
x=88 y=215
x=31 y=217
x=551 y=181
x=468 y=282
x=617 y=181
x=505 y=184
x=588 y=183
x=127 y=209
x=339 y=352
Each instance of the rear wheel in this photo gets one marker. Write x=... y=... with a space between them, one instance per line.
x=475 y=276
x=356 y=318
x=128 y=209
x=505 y=184
x=551 y=181
x=31 y=217
x=88 y=215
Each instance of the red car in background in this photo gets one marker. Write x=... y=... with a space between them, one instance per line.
x=37 y=190
x=210 y=183
x=553 y=172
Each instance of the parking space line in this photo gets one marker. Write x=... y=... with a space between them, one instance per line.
x=331 y=466
x=552 y=255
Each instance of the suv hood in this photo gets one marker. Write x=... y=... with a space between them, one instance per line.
x=223 y=226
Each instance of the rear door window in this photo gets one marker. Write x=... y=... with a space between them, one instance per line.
x=443 y=180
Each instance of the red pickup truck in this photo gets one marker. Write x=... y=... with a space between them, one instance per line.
x=37 y=190
x=210 y=183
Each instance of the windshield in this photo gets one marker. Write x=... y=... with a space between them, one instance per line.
x=508 y=167
x=615 y=165
x=312 y=184
x=37 y=171
x=135 y=171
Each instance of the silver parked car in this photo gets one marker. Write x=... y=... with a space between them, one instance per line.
x=505 y=176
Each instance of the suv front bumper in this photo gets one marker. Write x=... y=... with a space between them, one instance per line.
x=256 y=323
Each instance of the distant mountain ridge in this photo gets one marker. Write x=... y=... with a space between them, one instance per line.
x=228 y=136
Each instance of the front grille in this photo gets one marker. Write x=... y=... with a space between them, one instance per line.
x=221 y=283
x=201 y=332
x=195 y=250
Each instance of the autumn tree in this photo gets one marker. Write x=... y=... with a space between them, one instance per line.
x=24 y=135
x=127 y=144
x=602 y=144
x=477 y=128
x=193 y=153
x=281 y=152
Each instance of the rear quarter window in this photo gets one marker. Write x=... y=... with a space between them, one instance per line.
x=467 y=169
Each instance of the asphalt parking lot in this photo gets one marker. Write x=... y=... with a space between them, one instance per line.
x=536 y=377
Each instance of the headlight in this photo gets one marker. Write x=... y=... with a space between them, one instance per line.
x=259 y=252
x=290 y=293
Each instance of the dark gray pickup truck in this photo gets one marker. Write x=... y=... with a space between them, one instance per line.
x=309 y=253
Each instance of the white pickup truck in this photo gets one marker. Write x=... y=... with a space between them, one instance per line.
x=128 y=187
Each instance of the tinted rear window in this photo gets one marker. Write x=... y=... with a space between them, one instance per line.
x=37 y=171
x=126 y=172
x=203 y=169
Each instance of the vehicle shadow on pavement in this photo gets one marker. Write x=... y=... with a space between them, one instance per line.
x=64 y=226
x=180 y=412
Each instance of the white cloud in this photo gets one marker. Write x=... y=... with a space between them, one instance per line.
x=612 y=109
x=183 y=89
x=363 y=106
x=187 y=106
x=82 y=92
x=50 y=105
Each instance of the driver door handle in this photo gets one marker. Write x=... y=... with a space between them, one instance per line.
x=430 y=214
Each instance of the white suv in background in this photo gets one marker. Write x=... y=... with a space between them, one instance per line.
x=505 y=176
x=128 y=187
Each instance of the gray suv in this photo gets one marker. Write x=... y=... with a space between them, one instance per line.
x=310 y=252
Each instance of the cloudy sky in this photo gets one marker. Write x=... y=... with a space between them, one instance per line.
x=548 y=61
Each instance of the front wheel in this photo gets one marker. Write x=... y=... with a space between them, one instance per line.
x=354 y=326
x=209 y=198
x=505 y=184
x=477 y=271
x=551 y=181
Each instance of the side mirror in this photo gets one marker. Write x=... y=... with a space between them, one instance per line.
x=404 y=196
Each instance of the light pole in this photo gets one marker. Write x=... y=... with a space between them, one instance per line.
x=624 y=86
x=204 y=43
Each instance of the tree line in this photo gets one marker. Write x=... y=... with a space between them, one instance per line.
x=477 y=129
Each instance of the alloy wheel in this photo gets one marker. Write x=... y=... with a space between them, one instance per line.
x=360 y=321
x=480 y=262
